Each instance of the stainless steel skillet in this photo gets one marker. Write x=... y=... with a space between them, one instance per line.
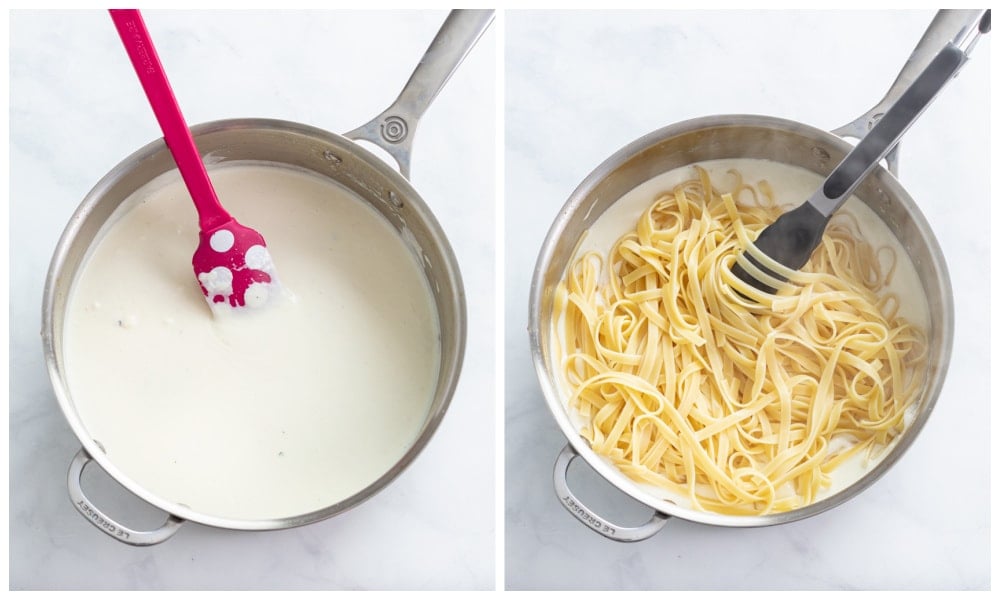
x=726 y=137
x=325 y=154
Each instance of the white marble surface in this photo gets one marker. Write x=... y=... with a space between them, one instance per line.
x=76 y=111
x=579 y=86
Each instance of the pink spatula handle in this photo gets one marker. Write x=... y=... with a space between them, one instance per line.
x=146 y=63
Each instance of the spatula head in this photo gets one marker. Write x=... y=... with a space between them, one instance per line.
x=233 y=266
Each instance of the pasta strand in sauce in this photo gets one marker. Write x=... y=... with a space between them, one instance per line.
x=692 y=380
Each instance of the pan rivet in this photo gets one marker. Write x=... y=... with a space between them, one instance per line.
x=330 y=156
x=821 y=153
x=394 y=199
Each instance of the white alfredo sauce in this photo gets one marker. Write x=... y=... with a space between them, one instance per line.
x=272 y=412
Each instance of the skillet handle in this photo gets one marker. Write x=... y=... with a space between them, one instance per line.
x=947 y=26
x=588 y=517
x=393 y=129
x=105 y=523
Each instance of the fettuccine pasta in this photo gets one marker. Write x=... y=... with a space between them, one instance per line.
x=741 y=401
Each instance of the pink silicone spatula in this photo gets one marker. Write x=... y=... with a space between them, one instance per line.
x=232 y=263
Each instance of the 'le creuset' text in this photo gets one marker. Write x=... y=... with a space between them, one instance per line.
x=586 y=517
x=104 y=523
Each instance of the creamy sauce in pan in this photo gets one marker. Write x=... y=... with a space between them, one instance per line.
x=272 y=412
x=791 y=186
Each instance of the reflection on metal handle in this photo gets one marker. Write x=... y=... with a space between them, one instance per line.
x=886 y=133
x=106 y=524
x=392 y=130
x=588 y=517
x=947 y=26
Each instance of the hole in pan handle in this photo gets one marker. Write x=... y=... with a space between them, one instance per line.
x=588 y=517
x=105 y=523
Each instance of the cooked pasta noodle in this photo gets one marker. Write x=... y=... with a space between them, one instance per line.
x=741 y=401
